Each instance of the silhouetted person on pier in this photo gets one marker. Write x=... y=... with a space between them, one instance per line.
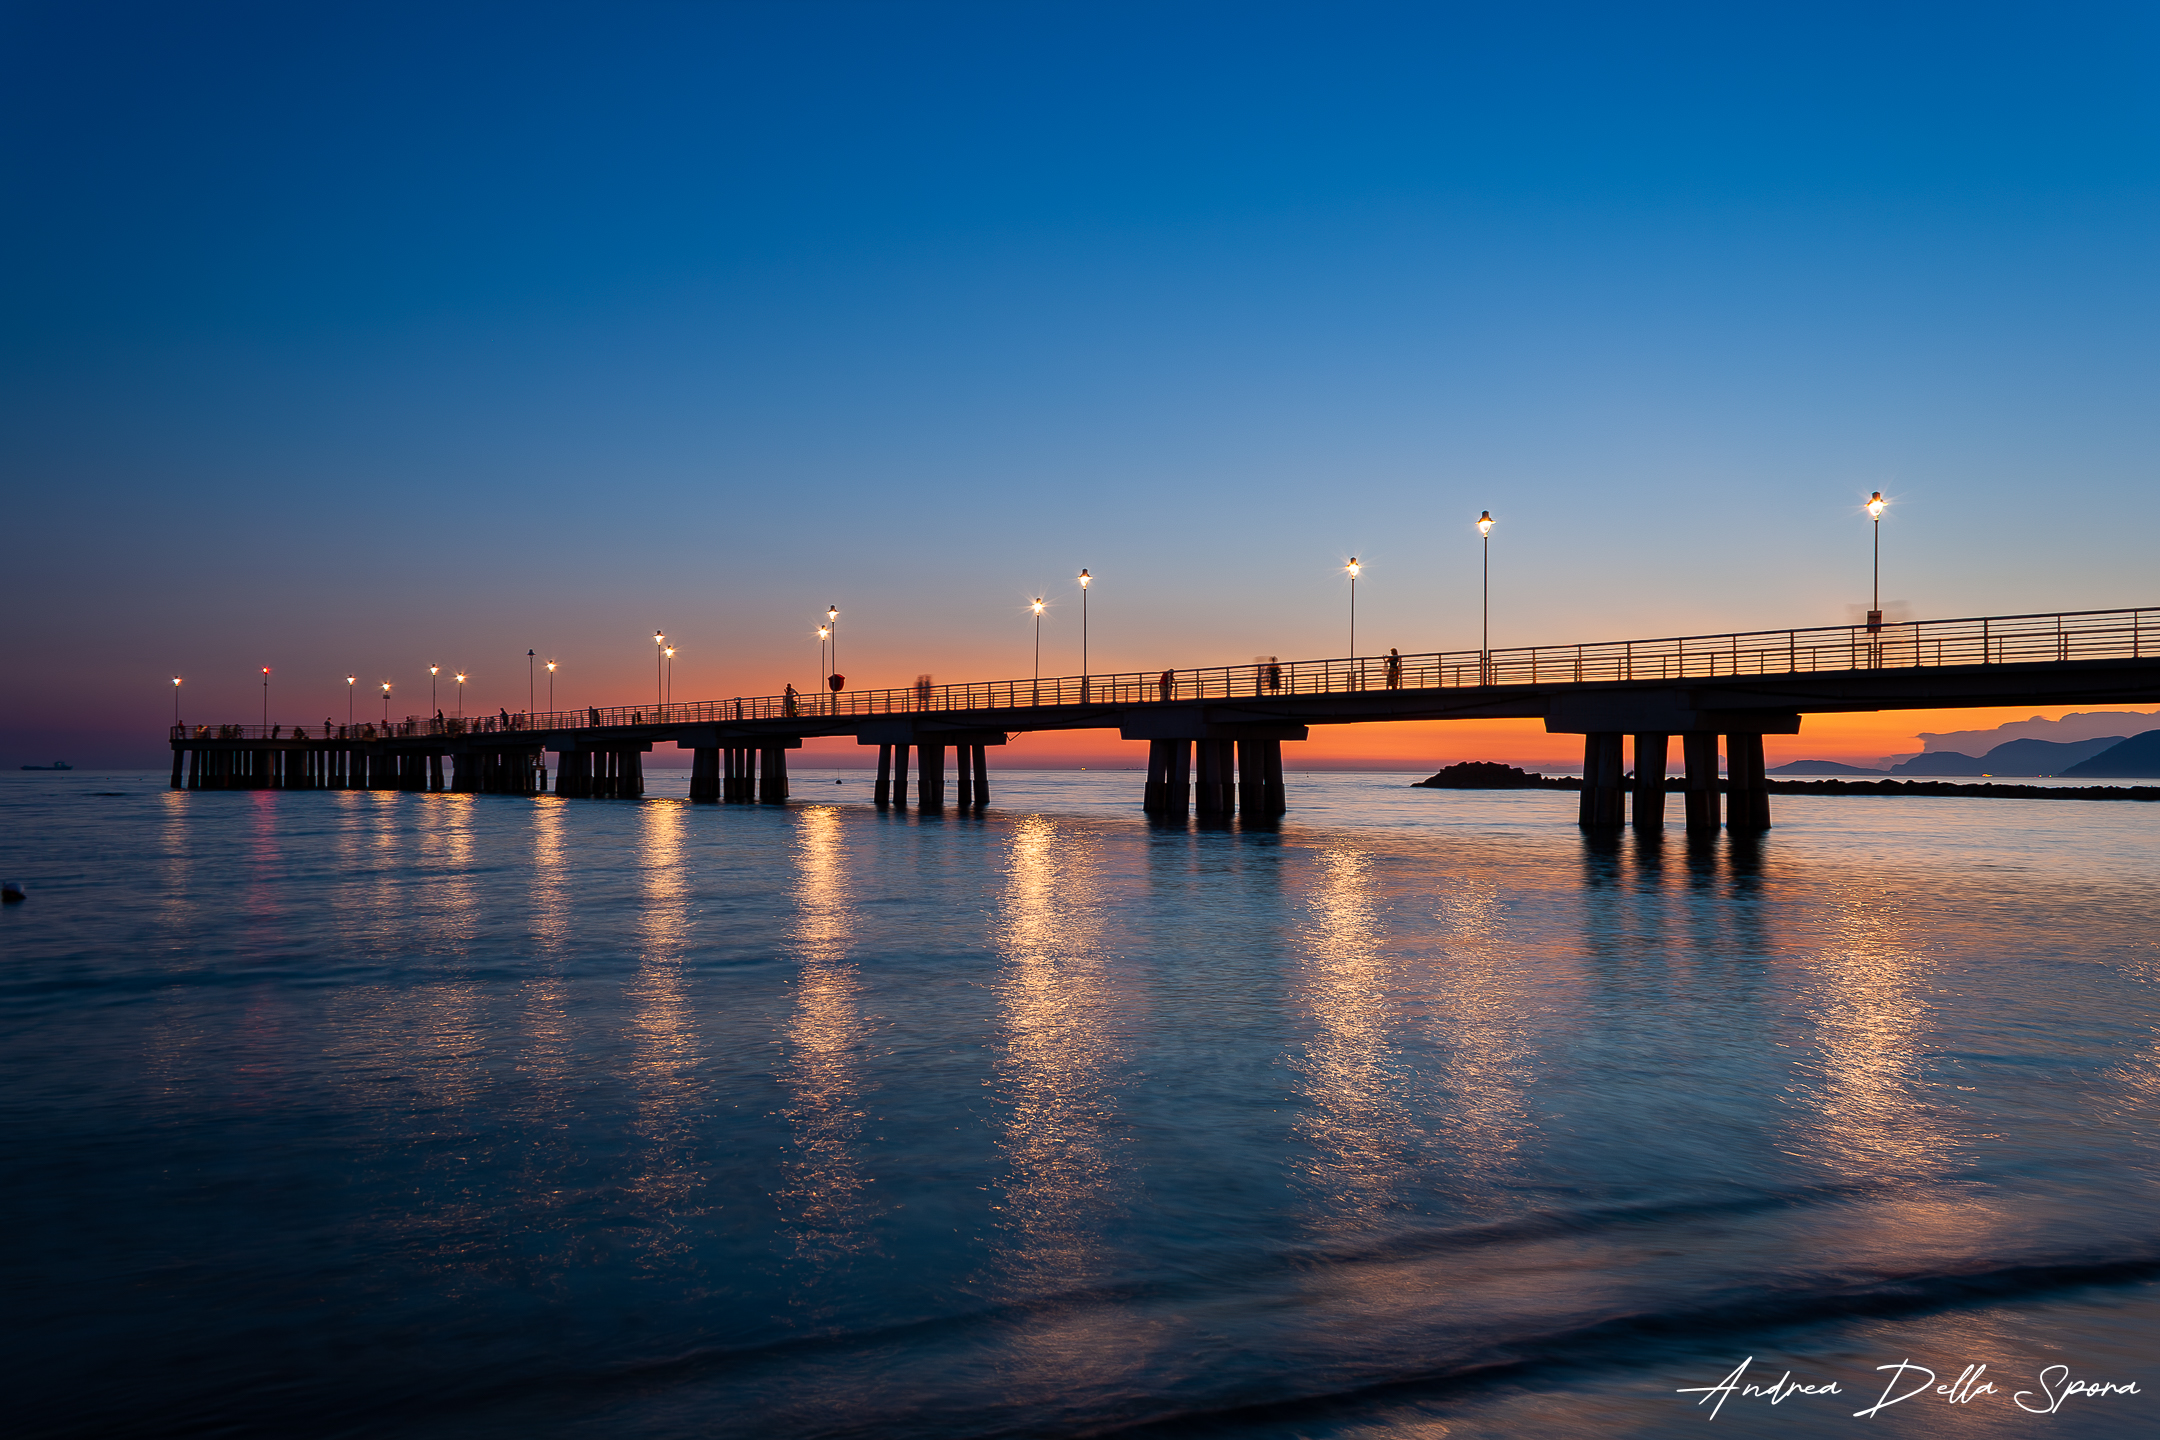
x=1394 y=670
x=1167 y=683
x=592 y=717
x=788 y=702
x=1274 y=676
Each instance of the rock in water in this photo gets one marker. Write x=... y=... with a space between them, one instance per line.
x=1484 y=775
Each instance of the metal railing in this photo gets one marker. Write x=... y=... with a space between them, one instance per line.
x=1916 y=644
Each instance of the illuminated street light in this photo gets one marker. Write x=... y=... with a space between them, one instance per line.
x=1484 y=530
x=348 y=699
x=1038 y=608
x=659 y=643
x=461 y=694
x=386 y=705
x=176 y=702
x=530 y=694
x=670 y=699
x=432 y=672
x=1353 y=570
x=551 y=686
x=1085 y=580
x=1875 y=506
x=832 y=625
x=266 y=699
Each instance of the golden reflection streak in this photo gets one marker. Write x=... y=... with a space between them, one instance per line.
x=665 y=1053
x=823 y=1196
x=1872 y=1022
x=1483 y=1031
x=1355 y=1120
x=1064 y=1016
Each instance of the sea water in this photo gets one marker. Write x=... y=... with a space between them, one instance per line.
x=1420 y=1113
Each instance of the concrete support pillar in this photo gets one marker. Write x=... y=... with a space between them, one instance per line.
x=773 y=789
x=882 y=795
x=179 y=757
x=982 y=775
x=435 y=775
x=1260 y=784
x=1747 y=805
x=705 y=774
x=930 y=786
x=1699 y=749
x=1213 y=795
x=899 y=775
x=1155 y=795
x=964 y=777
x=1603 y=805
x=1650 y=781
x=632 y=784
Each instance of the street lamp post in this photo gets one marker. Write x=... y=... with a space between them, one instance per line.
x=432 y=672
x=669 y=698
x=832 y=623
x=551 y=687
x=824 y=639
x=1085 y=580
x=176 y=702
x=1875 y=506
x=659 y=643
x=1353 y=570
x=1038 y=649
x=386 y=706
x=266 y=697
x=530 y=694
x=348 y=699
x=1484 y=530
x=461 y=694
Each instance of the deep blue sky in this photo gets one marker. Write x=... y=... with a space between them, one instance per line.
x=351 y=338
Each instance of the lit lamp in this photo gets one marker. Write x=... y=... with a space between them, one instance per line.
x=669 y=650
x=551 y=686
x=1085 y=580
x=1484 y=530
x=460 y=694
x=266 y=699
x=348 y=699
x=659 y=644
x=176 y=702
x=386 y=704
x=1038 y=608
x=432 y=672
x=1353 y=570
x=1875 y=506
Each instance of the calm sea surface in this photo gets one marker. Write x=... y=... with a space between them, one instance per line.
x=384 y=1114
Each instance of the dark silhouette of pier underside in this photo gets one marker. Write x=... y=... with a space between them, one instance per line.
x=1215 y=735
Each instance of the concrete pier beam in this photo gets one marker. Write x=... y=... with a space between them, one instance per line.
x=1603 y=803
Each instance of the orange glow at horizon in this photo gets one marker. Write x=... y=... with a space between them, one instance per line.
x=1862 y=739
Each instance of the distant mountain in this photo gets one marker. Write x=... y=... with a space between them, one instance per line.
x=1939 y=762
x=2135 y=758
x=1821 y=767
x=2017 y=757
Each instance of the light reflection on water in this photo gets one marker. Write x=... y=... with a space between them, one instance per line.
x=824 y=1194
x=653 y=1119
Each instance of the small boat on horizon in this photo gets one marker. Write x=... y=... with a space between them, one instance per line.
x=56 y=765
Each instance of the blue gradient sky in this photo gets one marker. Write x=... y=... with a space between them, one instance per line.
x=351 y=338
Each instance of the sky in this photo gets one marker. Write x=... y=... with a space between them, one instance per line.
x=351 y=339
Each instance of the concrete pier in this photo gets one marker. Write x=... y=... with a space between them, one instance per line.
x=1699 y=748
x=1603 y=802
